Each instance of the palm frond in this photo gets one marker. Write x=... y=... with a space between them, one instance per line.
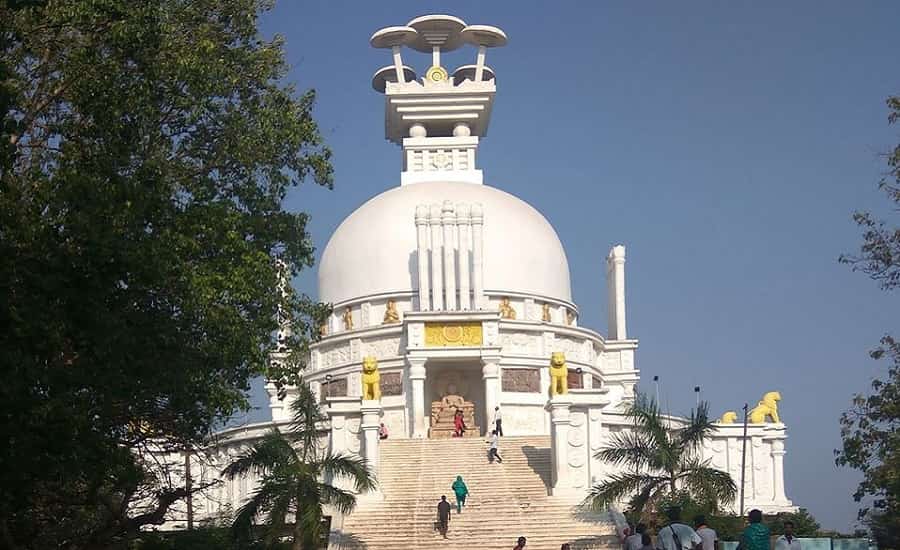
x=648 y=419
x=266 y=498
x=699 y=428
x=707 y=483
x=268 y=453
x=343 y=465
x=342 y=500
x=631 y=448
x=618 y=487
x=306 y=417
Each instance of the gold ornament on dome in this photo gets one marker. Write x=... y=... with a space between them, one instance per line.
x=390 y=313
x=506 y=310
x=545 y=313
x=347 y=317
x=452 y=334
x=436 y=74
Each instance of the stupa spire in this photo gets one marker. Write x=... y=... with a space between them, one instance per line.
x=437 y=119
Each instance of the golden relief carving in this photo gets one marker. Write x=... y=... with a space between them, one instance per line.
x=545 y=313
x=506 y=310
x=570 y=317
x=390 y=314
x=453 y=334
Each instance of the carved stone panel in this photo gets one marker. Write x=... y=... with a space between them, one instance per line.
x=335 y=388
x=521 y=380
x=575 y=380
x=392 y=383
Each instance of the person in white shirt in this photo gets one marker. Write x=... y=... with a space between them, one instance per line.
x=709 y=536
x=787 y=541
x=676 y=535
x=498 y=419
x=494 y=452
x=635 y=541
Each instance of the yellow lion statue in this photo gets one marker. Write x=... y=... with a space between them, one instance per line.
x=371 y=380
x=559 y=374
x=768 y=407
x=728 y=417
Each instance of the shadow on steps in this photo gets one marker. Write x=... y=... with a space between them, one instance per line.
x=339 y=540
x=539 y=460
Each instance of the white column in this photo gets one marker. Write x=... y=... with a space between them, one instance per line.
x=398 y=64
x=477 y=260
x=462 y=222
x=490 y=373
x=422 y=256
x=778 y=453
x=448 y=221
x=416 y=373
x=615 y=269
x=276 y=405
x=371 y=418
x=437 y=285
x=559 y=437
x=479 y=63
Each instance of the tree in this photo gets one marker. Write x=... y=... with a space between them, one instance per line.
x=297 y=475
x=870 y=430
x=146 y=147
x=659 y=461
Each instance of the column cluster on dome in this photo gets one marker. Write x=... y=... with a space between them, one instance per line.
x=448 y=235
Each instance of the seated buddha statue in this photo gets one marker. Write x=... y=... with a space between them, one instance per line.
x=443 y=411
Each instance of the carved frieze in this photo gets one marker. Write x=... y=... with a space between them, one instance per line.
x=521 y=380
x=520 y=343
x=453 y=334
x=382 y=349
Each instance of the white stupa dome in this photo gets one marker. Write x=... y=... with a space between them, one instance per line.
x=373 y=252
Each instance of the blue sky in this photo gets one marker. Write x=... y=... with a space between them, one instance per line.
x=725 y=144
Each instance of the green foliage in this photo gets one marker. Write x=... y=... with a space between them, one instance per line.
x=870 y=428
x=659 y=460
x=805 y=525
x=146 y=147
x=296 y=474
x=198 y=539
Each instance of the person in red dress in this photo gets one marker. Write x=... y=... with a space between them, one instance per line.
x=459 y=425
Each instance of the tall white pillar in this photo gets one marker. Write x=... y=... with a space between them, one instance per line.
x=371 y=418
x=559 y=436
x=416 y=373
x=462 y=222
x=448 y=221
x=778 y=453
x=615 y=274
x=490 y=373
x=477 y=258
x=422 y=256
x=437 y=285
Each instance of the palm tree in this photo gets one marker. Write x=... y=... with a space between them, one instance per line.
x=659 y=461
x=296 y=474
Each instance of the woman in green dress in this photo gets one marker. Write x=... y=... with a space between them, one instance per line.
x=459 y=487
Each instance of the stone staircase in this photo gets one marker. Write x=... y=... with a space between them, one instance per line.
x=506 y=500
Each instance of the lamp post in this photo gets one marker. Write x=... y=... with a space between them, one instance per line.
x=697 y=392
x=743 y=459
x=656 y=383
x=328 y=389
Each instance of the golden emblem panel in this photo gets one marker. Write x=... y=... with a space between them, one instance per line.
x=452 y=334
